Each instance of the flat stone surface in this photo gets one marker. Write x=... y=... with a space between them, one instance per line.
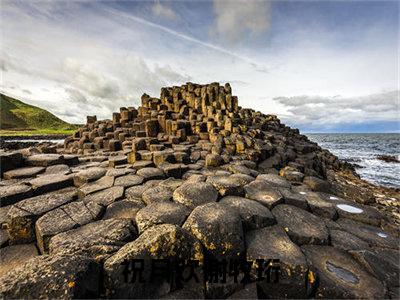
x=128 y=180
x=106 y=197
x=96 y=186
x=273 y=243
x=120 y=172
x=161 y=213
x=340 y=276
x=274 y=180
x=157 y=193
x=383 y=263
x=88 y=175
x=123 y=209
x=57 y=169
x=226 y=186
x=26 y=172
x=301 y=226
x=54 y=277
x=64 y=218
x=160 y=241
x=374 y=236
x=98 y=239
x=316 y=184
x=358 y=212
x=294 y=198
x=151 y=173
x=321 y=207
x=11 y=194
x=117 y=160
x=264 y=193
x=254 y=215
x=52 y=182
x=193 y=194
x=23 y=215
x=44 y=160
x=12 y=257
x=346 y=241
x=219 y=228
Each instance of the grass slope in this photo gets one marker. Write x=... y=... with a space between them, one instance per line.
x=19 y=118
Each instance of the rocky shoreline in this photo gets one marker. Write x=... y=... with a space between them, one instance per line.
x=192 y=176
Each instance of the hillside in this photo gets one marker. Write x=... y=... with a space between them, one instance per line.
x=19 y=116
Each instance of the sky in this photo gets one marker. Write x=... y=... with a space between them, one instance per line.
x=320 y=66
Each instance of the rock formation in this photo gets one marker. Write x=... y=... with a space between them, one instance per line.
x=192 y=177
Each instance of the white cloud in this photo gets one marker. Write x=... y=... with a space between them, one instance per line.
x=236 y=19
x=163 y=11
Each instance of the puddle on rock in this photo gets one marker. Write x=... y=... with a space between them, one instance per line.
x=303 y=193
x=343 y=274
x=350 y=209
x=383 y=235
x=333 y=198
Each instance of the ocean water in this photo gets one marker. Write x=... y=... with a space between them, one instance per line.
x=361 y=149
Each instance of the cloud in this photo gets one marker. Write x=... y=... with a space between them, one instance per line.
x=327 y=111
x=236 y=19
x=163 y=11
x=76 y=96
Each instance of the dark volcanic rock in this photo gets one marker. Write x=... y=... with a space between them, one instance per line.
x=11 y=194
x=10 y=161
x=263 y=192
x=44 y=160
x=26 y=172
x=273 y=243
x=388 y=158
x=254 y=215
x=226 y=185
x=301 y=226
x=274 y=180
x=23 y=215
x=66 y=277
x=347 y=241
x=219 y=228
x=161 y=213
x=158 y=242
x=128 y=180
x=340 y=276
x=157 y=193
x=88 y=175
x=95 y=186
x=48 y=183
x=98 y=239
x=193 y=194
x=106 y=197
x=151 y=173
x=123 y=209
x=12 y=257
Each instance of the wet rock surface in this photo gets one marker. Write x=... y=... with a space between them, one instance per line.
x=191 y=175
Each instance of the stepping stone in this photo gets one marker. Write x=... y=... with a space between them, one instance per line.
x=254 y=215
x=11 y=194
x=151 y=173
x=54 y=277
x=58 y=169
x=158 y=242
x=44 y=160
x=23 y=172
x=70 y=159
x=239 y=169
x=264 y=193
x=88 y=175
x=382 y=263
x=219 y=229
x=193 y=194
x=273 y=243
x=226 y=186
x=321 y=207
x=123 y=209
x=48 y=183
x=274 y=180
x=95 y=186
x=161 y=213
x=114 y=161
x=316 y=184
x=346 y=241
x=374 y=236
x=360 y=213
x=173 y=170
x=241 y=179
x=120 y=172
x=105 y=197
x=64 y=218
x=142 y=164
x=156 y=194
x=23 y=215
x=294 y=198
x=128 y=180
x=340 y=276
x=301 y=226
x=12 y=257
x=172 y=183
x=97 y=239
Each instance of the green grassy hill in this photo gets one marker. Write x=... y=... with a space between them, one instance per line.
x=19 y=117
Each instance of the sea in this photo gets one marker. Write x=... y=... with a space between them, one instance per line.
x=361 y=149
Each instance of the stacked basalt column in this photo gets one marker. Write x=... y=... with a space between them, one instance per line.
x=191 y=114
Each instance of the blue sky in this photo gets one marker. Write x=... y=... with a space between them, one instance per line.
x=321 y=66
